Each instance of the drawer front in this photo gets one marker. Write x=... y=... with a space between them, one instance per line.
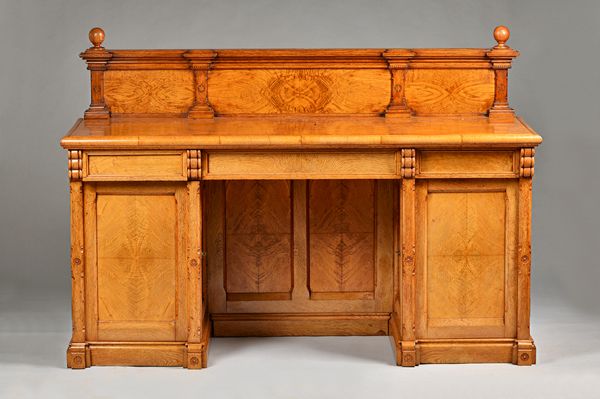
x=134 y=166
x=300 y=165
x=467 y=164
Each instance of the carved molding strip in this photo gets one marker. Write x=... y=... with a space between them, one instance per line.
x=407 y=163
x=194 y=167
x=527 y=162
x=75 y=165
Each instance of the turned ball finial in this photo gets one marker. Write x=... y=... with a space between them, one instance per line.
x=501 y=34
x=96 y=37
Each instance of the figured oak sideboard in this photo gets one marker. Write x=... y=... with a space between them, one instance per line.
x=300 y=192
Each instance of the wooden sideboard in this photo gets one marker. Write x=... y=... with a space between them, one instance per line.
x=300 y=192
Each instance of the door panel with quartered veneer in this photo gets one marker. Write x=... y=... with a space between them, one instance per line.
x=135 y=237
x=466 y=269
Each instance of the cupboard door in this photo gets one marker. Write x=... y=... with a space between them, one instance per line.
x=466 y=258
x=135 y=249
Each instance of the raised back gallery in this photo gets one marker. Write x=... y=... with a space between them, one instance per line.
x=300 y=192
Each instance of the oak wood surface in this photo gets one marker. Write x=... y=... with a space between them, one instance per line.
x=298 y=132
x=137 y=165
x=269 y=239
x=303 y=91
x=300 y=192
x=466 y=259
x=136 y=266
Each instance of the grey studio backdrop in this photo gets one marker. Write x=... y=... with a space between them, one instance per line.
x=44 y=87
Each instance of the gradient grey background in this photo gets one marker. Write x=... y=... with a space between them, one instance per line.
x=44 y=87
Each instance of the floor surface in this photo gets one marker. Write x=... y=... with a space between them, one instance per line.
x=32 y=364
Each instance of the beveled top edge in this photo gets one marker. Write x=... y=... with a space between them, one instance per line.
x=298 y=133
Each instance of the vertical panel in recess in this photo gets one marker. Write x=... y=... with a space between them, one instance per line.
x=258 y=242
x=342 y=239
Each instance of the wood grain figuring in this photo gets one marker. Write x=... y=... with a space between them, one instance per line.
x=464 y=351
x=137 y=355
x=258 y=238
x=136 y=166
x=408 y=355
x=137 y=249
x=379 y=299
x=76 y=351
x=297 y=324
x=134 y=241
x=466 y=269
x=299 y=91
x=469 y=263
x=296 y=165
x=342 y=237
x=434 y=91
x=197 y=333
x=149 y=92
x=525 y=351
x=300 y=133
x=467 y=164
x=245 y=192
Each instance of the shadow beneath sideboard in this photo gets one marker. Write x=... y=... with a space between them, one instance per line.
x=361 y=349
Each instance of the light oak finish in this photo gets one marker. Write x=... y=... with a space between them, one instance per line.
x=468 y=164
x=279 y=247
x=134 y=246
x=450 y=91
x=299 y=165
x=299 y=91
x=299 y=324
x=300 y=192
x=466 y=267
x=137 y=166
x=149 y=92
x=297 y=132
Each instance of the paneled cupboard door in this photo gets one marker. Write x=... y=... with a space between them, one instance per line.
x=135 y=261
x=466 y=258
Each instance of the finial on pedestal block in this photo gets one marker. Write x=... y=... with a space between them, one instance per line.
x=501 y=57
x=501 y=34
x=97 y=58
x=96 y=36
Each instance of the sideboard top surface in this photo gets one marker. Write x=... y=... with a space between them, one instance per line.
x=297 y=132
